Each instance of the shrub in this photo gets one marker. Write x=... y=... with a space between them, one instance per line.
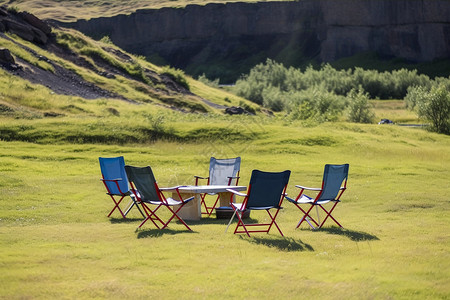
x=213 y=83
x=315 y=104
x=432 y=105
x=359 y=107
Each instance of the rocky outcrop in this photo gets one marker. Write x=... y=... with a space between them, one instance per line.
x=234 y=36
x=24 y=25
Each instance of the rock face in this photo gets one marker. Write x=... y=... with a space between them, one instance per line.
x=239 y=34
x=25 y=25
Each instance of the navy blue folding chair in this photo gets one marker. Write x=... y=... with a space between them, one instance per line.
x=334 y=184
x=146 y=190
x=266 y=191
x=116 y=183
x=223 y=171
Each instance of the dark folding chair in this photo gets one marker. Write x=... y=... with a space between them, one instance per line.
x=116 y=183
x=221 y=172
x=146 y=190
x=334 y=184
x=266 y=191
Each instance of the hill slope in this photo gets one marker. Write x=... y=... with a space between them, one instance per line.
x=69 y=63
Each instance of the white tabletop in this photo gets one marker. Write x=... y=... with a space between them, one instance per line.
x=198 y=189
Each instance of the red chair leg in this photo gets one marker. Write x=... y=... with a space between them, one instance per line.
x=305 y=215
x=273 y=222
x=150 y=214
x=175 y=214
x=117 y=206
x=329 y=215
x=241 y=223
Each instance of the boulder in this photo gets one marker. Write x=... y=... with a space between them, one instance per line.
x=25 y=31
x=36 y=22
x=5 y=57
x=235 y=110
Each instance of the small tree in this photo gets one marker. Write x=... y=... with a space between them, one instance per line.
x=360 y=110
x=435 y=107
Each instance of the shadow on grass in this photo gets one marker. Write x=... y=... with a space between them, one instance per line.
x=357 y=236
x=127 y=220
x=153 y=233
x=214 y=220
x=283 y=244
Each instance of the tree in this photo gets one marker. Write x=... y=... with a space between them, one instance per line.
x=434 y=106
x=360 y=110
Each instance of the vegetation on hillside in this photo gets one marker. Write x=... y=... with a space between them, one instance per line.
x=99 y=65
x=71 y=10
x=325 y=94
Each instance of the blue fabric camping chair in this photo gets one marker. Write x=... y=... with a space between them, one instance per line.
x=146 y=190
x=221 y=172
x=334 y=184
x=116 y=183
x=266 y=191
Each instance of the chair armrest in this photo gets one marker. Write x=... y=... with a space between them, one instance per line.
x=196 y=178
x=170 y=188
x=236 y=193
x=308 y=188
x=116 y=179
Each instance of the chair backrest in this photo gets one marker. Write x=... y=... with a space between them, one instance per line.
x=221 y=169
x=144 y=182
x=266 y=188
x=333 y=177
x=113 y=168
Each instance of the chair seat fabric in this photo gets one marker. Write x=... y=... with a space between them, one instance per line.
x=169 y=201
x=303 y=199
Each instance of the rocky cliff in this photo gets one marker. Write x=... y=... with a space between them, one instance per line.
x=224 y=40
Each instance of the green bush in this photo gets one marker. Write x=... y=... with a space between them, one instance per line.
x=359 y=109
x=377 y=85
x=213 y=83
x=432 y=105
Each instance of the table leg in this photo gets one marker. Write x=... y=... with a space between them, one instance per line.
x=225 y=198
x=191 y=210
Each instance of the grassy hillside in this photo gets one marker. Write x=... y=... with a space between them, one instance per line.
x=69 y=10
x=51 y=80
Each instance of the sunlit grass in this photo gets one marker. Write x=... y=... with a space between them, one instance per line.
x=54 y=230
x=395 y=111
x=70 y=10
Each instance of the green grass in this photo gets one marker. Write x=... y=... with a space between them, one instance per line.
x=71 y=10
x=56 y=241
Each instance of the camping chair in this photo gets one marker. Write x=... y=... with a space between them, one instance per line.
x=221 y=172
x=334 y=184
x=115 y=180
x=265 y=191
x=146 y=190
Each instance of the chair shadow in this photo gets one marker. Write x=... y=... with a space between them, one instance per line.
x=357 y=236
x=214 y=220
x=283 y=244
x=127 y=220
x=154 y=233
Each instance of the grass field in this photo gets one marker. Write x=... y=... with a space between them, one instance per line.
x=71 y=10
x=56 y=241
